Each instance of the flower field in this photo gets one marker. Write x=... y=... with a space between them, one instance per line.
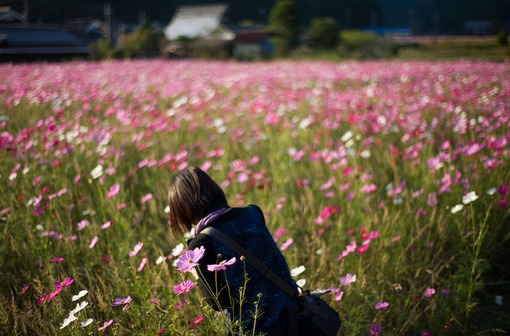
x=384 y=182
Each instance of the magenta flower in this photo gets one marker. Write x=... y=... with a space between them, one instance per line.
x=24 y=289
x=221 y=266
x=429 y=292
x=381 y=305
x=196 y=322
x=375 y=329
x=105 y=325
x=136 y=249
x=56 y=260
x=278 y=233
x=189 y=260
x=183 y=287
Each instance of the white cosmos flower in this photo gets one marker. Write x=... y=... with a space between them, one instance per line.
x=177 y=249
x=160 y=260
x=80 y=295
x=297 y=270
x=301 y=282
x=491 y=191
x=97 y=172
x=469 y=197
x=457 y=208
x=68 y=320
x=79 y=307
x=86 y=323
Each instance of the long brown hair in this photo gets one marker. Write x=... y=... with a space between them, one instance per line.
x=192 y=195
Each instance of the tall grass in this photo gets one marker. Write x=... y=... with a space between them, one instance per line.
x=376 y=153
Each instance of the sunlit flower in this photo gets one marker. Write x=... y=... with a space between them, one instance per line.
x=86 y=323
x=457 y=208
x=79 y=295
x=146 y=198
x=105 y=325
x=221 y=266
x=97 y=172
x=142 y=264
x=93 y=242
x=286 y=244
x=177 y=249
x=469 y=197
x=183 y=287
x=68 y=320
x=189 y=260
x=79 y=306
x=348 y=279
x=136 y=249
x=297 y=270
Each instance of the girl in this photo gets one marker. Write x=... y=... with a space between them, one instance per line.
x=196 y=200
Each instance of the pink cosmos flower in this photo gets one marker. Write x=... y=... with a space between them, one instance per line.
x=106 y=225
x=381 y=305
x=183 y=287
x=181 y=304
x=348 y=279
x=136 y=249
x=196 y=322
x=105 y=325
x=375 y=329
x=121 y=301
x=82 y=224
x=429 y=292
x=278 y=233
x=24 y=289
x=189 y=260
x=142 y=264
x=93 y=242
x=286 y=244
x=114 y=190
x=221 y=266
x=56 y=260
x=146 y=198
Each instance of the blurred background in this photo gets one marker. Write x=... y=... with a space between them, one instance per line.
x=251 y=29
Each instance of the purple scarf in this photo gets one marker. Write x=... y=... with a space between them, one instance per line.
x=209 y=218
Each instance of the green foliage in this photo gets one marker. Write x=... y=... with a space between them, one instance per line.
x=101 y=49
x=324 y=33
x=502 y=38
x=284 y=25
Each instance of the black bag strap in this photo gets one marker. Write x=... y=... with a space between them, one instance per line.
x=263 y=269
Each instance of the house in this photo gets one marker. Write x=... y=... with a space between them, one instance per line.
x=203 y=30
x=23 y=41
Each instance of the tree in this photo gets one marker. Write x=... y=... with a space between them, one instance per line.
x=284 y=25
x=324 y=33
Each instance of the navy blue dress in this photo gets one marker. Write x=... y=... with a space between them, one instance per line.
x=247 y=227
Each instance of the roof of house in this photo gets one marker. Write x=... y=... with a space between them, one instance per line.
x=195 y=21
x=38 y=36
x=7 y=15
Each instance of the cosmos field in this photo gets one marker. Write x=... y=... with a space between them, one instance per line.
x=385 y=182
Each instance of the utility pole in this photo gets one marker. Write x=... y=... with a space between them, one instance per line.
x=108 y=21
x=25 y=8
